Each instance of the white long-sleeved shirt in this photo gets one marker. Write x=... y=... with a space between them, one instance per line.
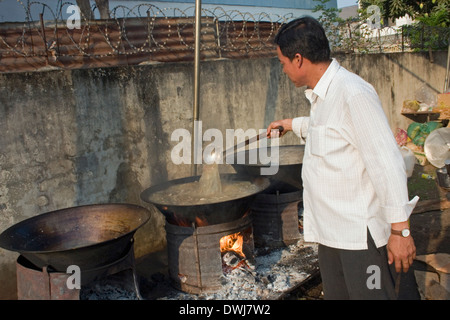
x=353 y=173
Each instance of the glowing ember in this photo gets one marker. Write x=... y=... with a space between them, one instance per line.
x=180 y=221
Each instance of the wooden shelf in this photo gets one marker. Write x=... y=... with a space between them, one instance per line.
x=422 y=116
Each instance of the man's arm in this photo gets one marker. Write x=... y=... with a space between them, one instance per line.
x=385 y=166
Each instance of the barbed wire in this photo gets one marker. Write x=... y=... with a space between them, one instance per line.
x=236 y=30
x=358 y=37
x=148 y=32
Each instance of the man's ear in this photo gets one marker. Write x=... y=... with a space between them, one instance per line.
x=298 y=60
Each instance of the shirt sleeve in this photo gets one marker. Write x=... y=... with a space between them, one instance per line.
x=381 y=156
x=300 y=128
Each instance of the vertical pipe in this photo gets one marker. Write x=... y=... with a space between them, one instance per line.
x=446 y=87
x=198 y=17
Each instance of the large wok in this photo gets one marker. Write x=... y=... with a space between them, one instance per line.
x=289 y=164
x=87 y=236
x=207 y=213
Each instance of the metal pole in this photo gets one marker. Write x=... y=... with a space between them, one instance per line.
x=198 y=16
x=446 y=87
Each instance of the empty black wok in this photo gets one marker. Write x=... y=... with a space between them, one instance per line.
x=289 y=163
x=87 y=236
x=207 y=213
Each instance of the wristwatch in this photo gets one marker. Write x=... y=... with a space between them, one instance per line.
x=404 y=233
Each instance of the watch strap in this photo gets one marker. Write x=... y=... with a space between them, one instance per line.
x=398 y=232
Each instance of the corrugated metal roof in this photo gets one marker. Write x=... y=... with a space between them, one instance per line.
x=294 y=4
x=132 y=41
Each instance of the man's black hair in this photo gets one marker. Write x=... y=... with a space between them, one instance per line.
x=305 y=36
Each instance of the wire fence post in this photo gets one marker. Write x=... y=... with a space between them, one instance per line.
x=41 y=18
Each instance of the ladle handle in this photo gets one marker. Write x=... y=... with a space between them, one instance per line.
x=251 y=140
x=281 y=129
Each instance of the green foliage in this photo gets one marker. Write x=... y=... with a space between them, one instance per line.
x=392 y=9
x=329 y=18
x=437 y=18
x=431 y=30
x=345 y=35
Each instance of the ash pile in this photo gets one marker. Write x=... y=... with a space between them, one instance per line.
x=274 y=273
x=118 y=286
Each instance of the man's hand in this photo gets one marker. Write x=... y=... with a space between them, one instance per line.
x=272 y=129
x=401 y=251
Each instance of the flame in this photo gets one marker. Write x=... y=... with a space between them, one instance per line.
x=184 y=222
x=201 y=222
x=233 y=242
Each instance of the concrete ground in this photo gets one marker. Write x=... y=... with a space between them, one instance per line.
x=431 y=232
x=430 y=228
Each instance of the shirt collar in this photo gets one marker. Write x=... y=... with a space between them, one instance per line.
x=321 y=88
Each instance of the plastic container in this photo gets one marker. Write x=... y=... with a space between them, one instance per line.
x=410 y=160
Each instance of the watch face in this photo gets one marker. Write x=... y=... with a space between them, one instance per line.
x=405 y=232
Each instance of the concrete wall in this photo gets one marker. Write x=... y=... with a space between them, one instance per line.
x=398 y=76
x=90 y=136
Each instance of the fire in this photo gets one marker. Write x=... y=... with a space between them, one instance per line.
x=233 y=242
x=201 y=222
x=184 y=222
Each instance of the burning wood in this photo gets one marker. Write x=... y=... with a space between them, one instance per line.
x=231 y=261
x=232 y=249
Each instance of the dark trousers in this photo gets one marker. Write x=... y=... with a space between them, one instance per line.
x=357 y=274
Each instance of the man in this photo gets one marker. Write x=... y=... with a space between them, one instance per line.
x=354 y=180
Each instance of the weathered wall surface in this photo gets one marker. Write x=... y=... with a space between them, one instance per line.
x=91 y=136
x=398 y=76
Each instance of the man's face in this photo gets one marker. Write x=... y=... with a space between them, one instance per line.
x=290 y=68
